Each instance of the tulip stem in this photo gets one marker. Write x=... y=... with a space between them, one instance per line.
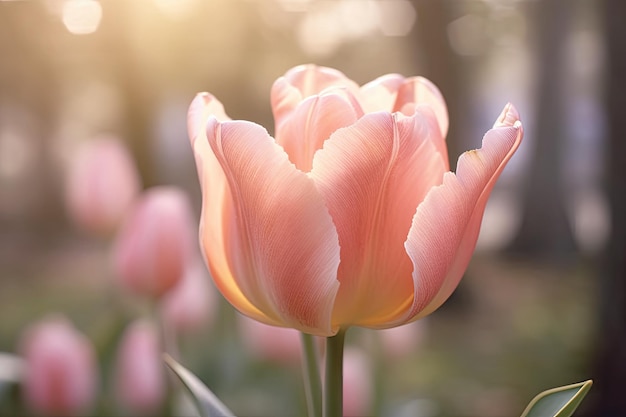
x=312 y=381
x=333 y=387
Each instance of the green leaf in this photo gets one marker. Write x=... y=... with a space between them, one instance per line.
x=558 y=402
x=208 y=404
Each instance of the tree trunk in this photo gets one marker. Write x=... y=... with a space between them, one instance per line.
x=436 y=61
x=607 y=396
x=545 y=233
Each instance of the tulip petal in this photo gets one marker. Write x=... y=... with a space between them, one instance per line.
x=372 y=176
x=419 y=90
x=312 y=122
x=446 y=225
x=283 y=247
x=380 y=94
x=215 y=216
x=301 y=82
x=393 y=92
x=203 y=106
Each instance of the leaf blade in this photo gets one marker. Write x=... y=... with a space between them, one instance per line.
x=207 y=403
x=558 y=402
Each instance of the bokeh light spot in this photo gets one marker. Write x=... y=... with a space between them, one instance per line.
x=397 y=17
x=82 y=17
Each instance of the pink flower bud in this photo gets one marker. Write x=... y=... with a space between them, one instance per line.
x=357 y=384
x=192 y=302
x=101 y=185
x=401 y=341
x=276 y=344
x=155 y=244
x=61 y=372
x=140 y=385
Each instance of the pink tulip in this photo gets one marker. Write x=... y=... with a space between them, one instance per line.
x=140 y=384
x=358 y=389
x=192 y=303
x=402 y=341
x=154 y=246
x=61 y=369
x=101 y=185
x=350 y=216
x=271 y=343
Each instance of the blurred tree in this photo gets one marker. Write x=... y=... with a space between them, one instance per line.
x=29 y=94
x=139 y=96
x=607 y=396
x=545 y=232
x=435 y=60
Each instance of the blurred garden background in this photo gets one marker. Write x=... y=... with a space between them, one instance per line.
x=542 y=303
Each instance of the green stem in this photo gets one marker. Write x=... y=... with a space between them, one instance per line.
x=312 y=381
x=333 y=388
x=380 y=364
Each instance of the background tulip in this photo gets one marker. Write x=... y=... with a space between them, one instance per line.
x=276 y=344
x=61 y=373
x=349 y=220
x=140 y=384
x=358 y=387
x=154 y=247
x=192 y=303
x=102 y=182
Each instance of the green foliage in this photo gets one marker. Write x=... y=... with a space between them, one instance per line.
x=558 y=402
x=208 y=404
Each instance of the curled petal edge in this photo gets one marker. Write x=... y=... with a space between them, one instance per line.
x=441 y=253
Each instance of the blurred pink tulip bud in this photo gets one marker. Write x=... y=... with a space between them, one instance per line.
x=357 y=384
x=61 y=375
x=102 y=182
x=155 y=244
x=265 y=342
x=192 y=302
x=401 y=341
x=140 y=385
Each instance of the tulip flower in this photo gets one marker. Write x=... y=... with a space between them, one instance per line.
x=276 y=344
x=358 y=386
x=399 y=342
x=61 y=370
x=102 y=183
x=349 y=216
x=140 y=384
x=192 y=303
x=154 y=245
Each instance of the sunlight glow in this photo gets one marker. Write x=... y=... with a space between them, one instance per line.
x=175 y=9
x=329 y=24
x=82 y=17
x=397 y=17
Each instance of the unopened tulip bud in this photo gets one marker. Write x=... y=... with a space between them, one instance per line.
x=271 y=343
x=140 y=384
x=61 y=372
x=192 y=302
x=401 y=341
x=102 y=182
x=357 y=384
x=155 y=244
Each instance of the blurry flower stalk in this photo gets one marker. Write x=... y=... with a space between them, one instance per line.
x=349 y=215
